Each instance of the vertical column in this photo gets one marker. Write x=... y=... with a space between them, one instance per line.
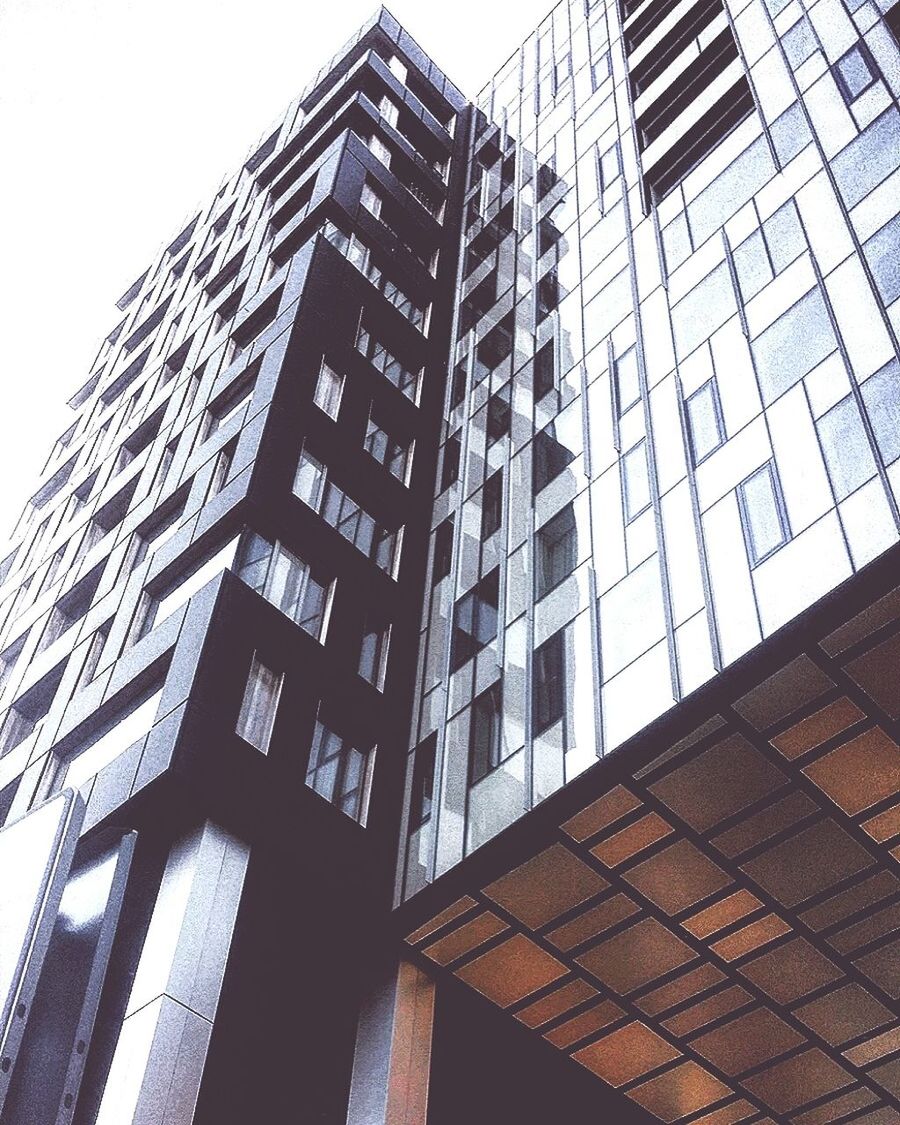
x=392 y=1060
x=156 y=1069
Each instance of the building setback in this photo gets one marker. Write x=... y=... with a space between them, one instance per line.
x=450 y=665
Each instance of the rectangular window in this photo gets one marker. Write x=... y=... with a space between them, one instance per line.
x=340 y=773
x=600 y=70
x=370 y=199
x=443 y=551
x=762 y=513
x=422 y=795
x=260 y=703
x=544 y=371
x=404 y=380
x=485 y=735
x=556 y=550
x=394 y=455
x=547 y=295
x=548 y=458
x=636 y=481
x=707 y=428
x=373 y=655
x=232 y=402
x=475 y=620
x=160 y=607
x=548 y=682
x=288 y=582
x=329 y=388
x=498 y=415
x=492 y=505
x=628 y=383
x=845 y=445
x=450 y=466
x=128 y=729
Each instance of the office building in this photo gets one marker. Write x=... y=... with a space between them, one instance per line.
x=450 y=663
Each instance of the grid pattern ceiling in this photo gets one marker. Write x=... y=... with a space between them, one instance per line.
x=719 y=938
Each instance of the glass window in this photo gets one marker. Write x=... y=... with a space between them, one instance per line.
x=752 y=265
x=881 y=395
x=422 y=796
x=443 y=551
x=373 y=655
x=309 y=482
x=762 y=513
x=547 y=295
x=707 y=429
x=549 y=458
x=865 y=162
x=329 y=388
x=450 y=466
x=544 y=371
x=845 y=445
x=287 y=582
x=609 y=168
x=796 y=343
x=854 y=72
x=498 y=415
x=340 y=773
x=260 y=703
x=628 y=383
x=475 y=619
x=458 y=385
x=882 y=252
x=492 y=504
x=485 y=735
x=548 y=682
x=128 y=727
x=387 y=451
x=799 y=42
x=636 y=481
x=556 y=550
x=790 y=133
x=676 y=241
x=784 y=236
x=600 y=70
x=185 y=586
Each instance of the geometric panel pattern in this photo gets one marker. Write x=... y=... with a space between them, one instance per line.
x=719 y=938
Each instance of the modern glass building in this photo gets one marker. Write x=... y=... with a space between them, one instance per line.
x=451 y=664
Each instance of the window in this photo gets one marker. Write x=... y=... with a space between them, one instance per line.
x=340 y=773
x=799 y=42
x=762 y=513
x=389 y=111
x=848 y=455
x=422 y=795
x=600 y=70
x=548 y=682
x=450 y=466
x=70 y=608
x=608 y=168
x=494 y=349
x=704 y=413
x=796 y=343
x=28 y=710
x=443 y=551
x=380 y=150
x=549 y=458
x=485 y=734
x=329 y=388
x=373 y=655
x=394 y=455
x=260 y=703
x=492 y=505
x=770 y=250
x=628 y=383
x=370 y=199
x=289 y=583
x=458 y=385
x=160 y=606
x=127 y=728
x=221 y=469
x=404 y=380
x=544 y=371
x=229 y=404
x=8 y=659
x=94 y=653
x=556 y=550
x=475 y=620
x=547 y=295
x=881 y=394
x=636 y=481
x=855 y=72
x=882 y=252
x=498 y=415
x=312 y=486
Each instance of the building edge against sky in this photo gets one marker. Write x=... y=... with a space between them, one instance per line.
x=661 y=254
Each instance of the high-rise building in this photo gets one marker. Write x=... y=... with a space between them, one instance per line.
x=451 y=664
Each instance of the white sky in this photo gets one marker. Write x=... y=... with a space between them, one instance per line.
x=117 y=117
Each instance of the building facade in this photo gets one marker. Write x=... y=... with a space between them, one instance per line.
x=511 y=487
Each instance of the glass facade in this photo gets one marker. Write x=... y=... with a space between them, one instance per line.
x=679 y=277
